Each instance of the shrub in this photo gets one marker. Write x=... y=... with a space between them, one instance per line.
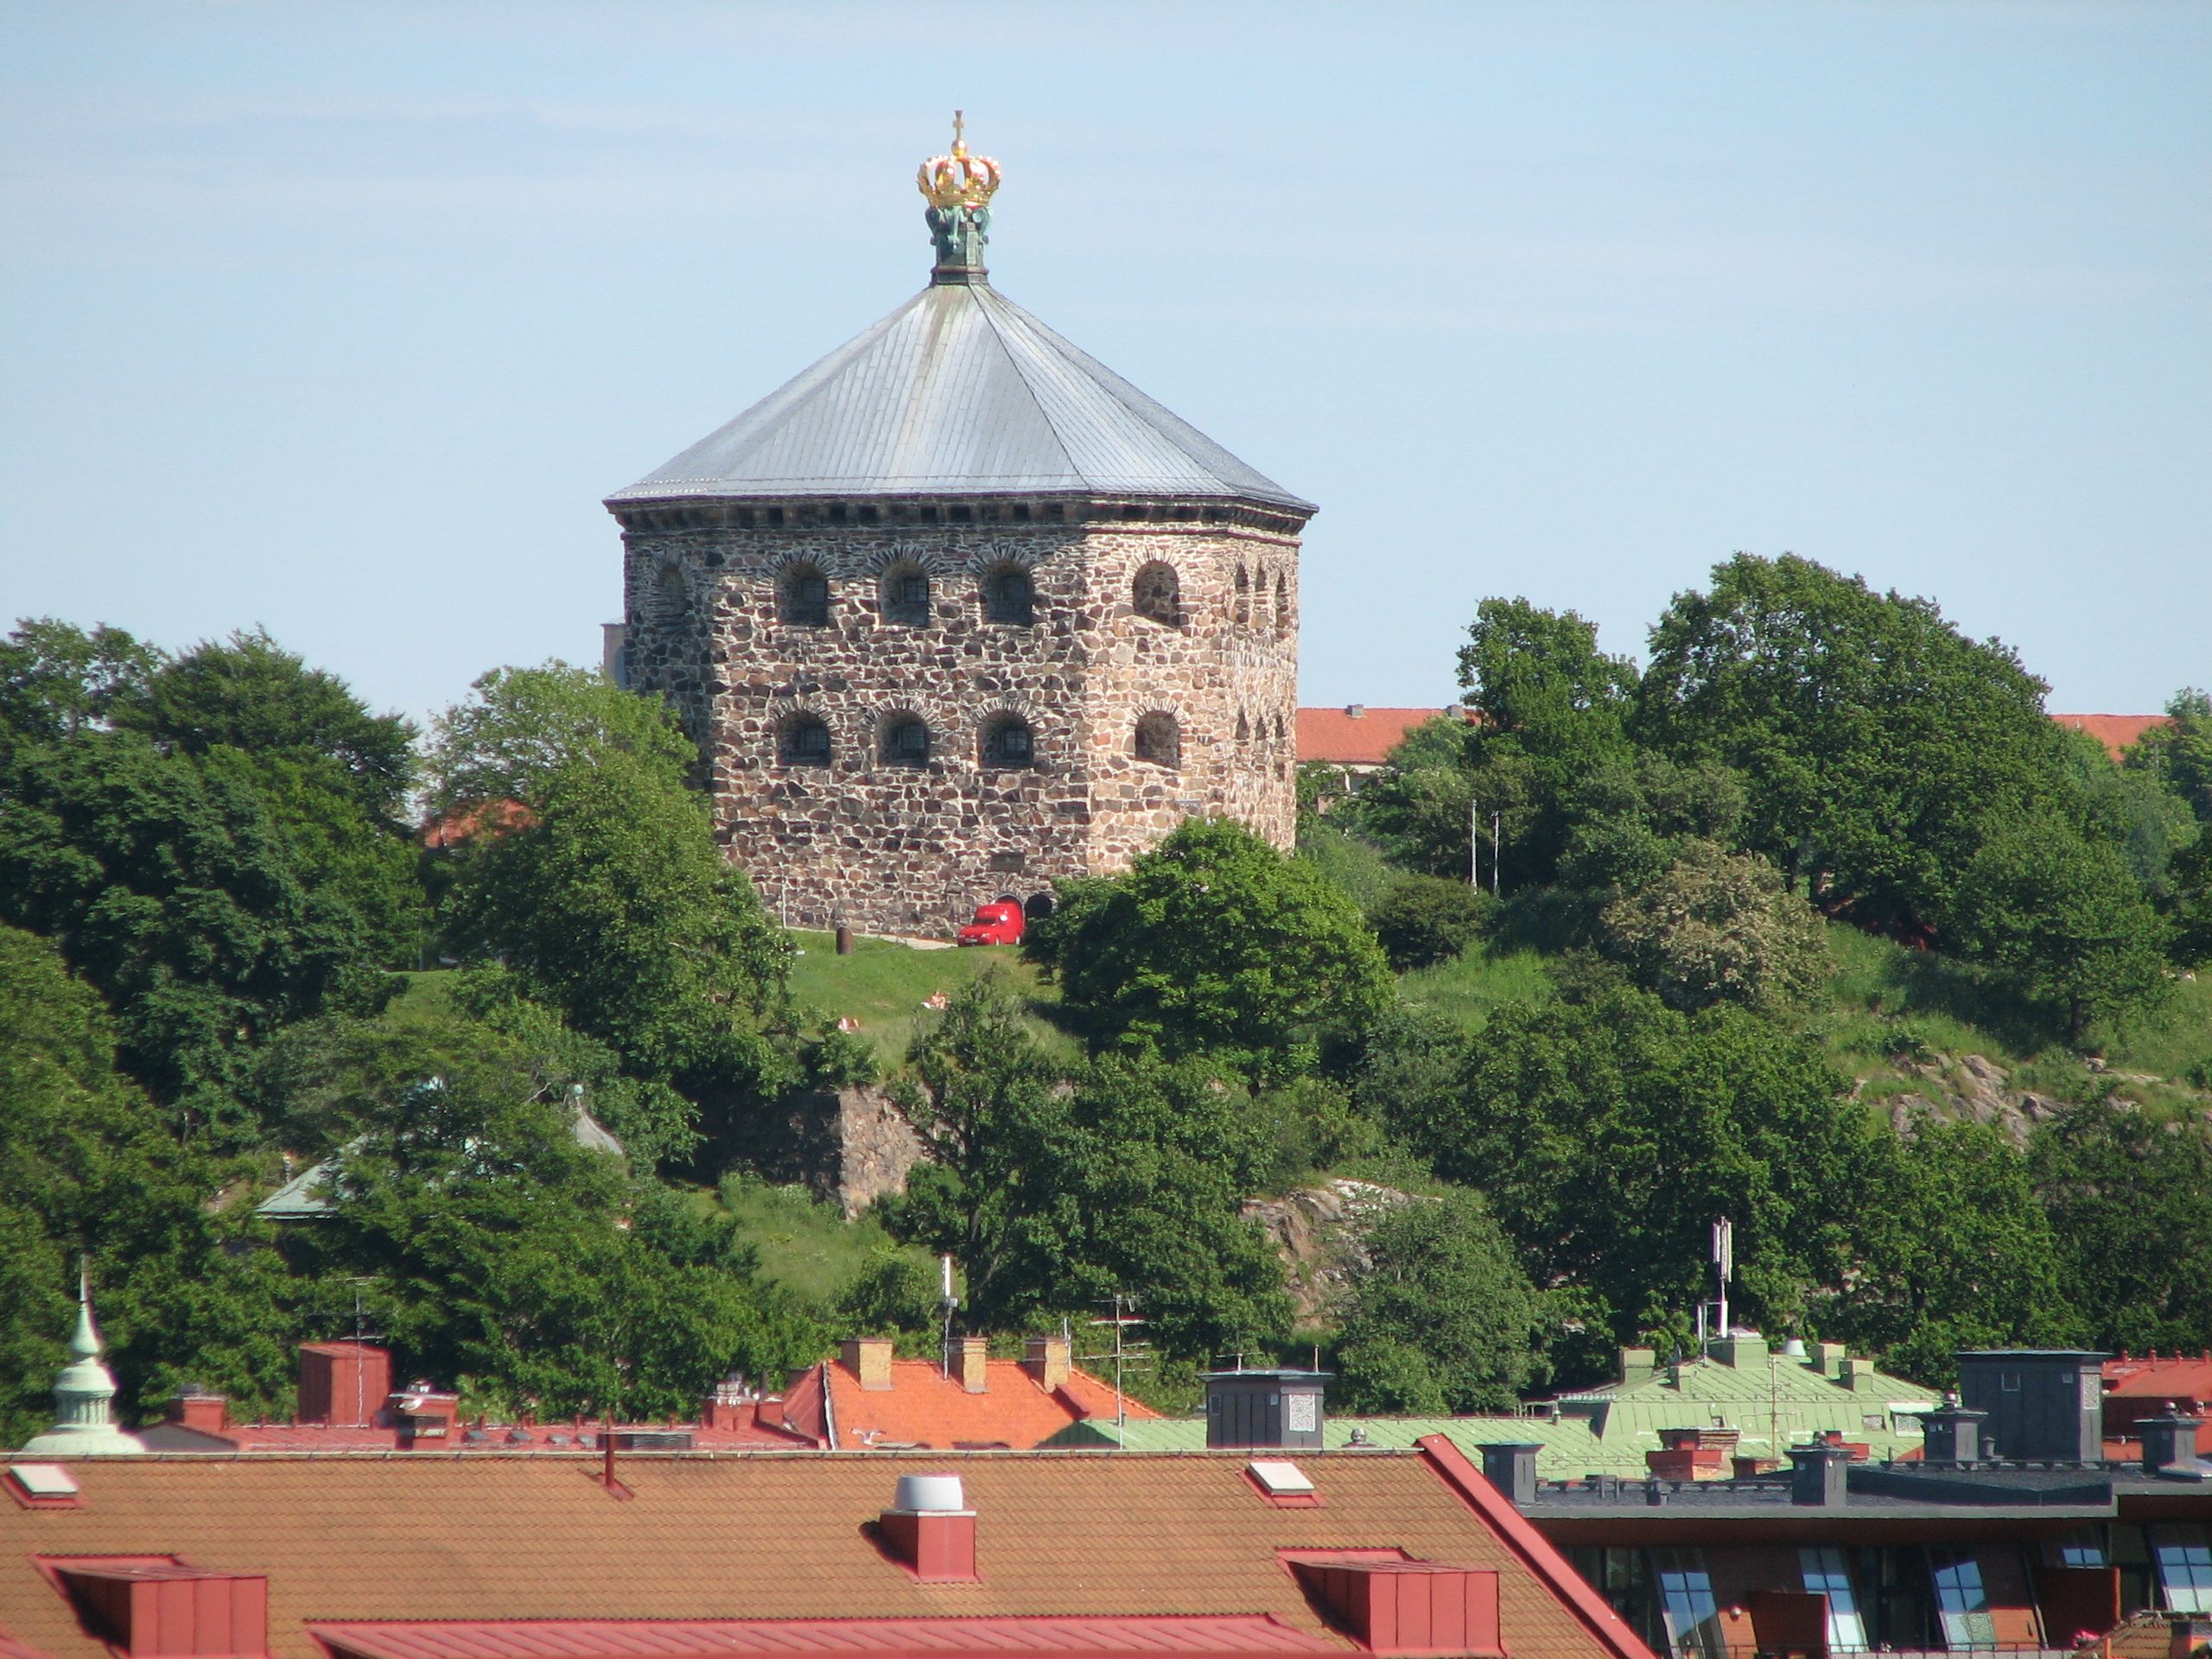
x=1424 y=919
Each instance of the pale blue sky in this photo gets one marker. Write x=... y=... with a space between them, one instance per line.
x=342 y=319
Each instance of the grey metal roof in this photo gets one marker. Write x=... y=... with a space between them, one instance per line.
x=959 y=392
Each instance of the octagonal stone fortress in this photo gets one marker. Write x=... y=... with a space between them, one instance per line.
x=959 y=612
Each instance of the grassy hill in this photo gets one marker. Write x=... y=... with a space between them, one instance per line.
x=885 y=986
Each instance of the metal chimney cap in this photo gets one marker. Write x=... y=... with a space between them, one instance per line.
x=930 y=1495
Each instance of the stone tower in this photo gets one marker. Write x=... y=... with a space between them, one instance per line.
x=959 y=612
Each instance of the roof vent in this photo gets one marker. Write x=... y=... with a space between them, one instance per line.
x=929 y=1530
x=930 y=1495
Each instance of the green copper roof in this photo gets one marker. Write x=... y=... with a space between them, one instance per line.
x=1772 y=1399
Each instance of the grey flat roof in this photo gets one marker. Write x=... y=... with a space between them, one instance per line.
x=959 y=392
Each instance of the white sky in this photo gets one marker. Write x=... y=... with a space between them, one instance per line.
x=342 y=319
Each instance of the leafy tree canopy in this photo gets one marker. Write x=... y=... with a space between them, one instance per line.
x=85 y=1167
x=1609 y=1134
x=1716 y=926
x=1420 y=920
x=2180 y=754
x=523 y=725
x=1055 y=1190
x=1215 y=943
x=1876 y=742
x=2129 y=1194
x=2063 y=918
x=1444 y=1320
x=1955 y=1251
x=500 y=1252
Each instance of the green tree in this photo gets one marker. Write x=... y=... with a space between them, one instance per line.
x=1877 y=744
x=249 y=693
x=2129 y=1194
x=57 y=680
x=174 y=890
x=1056 y=1192
x=503 y=1255
x=1548 y=708
x=614 y=905
x=2061 y=917
x=87 y=1166
x=1214 y=943
x=1421 y=920
x=1443 y=1319
x=1717 y=926
x=1609 y=1134
x=524 y=725
x=1955 y=1251
x=2179 y=754
x=2190 y=904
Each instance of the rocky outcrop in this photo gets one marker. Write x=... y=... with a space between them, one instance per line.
x=1320 y=1232
x=848 y=1146
x=1972 y=1086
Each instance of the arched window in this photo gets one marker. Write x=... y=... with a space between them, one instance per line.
x=905 y=742
x=1243 y=597
x=1038 y=906
x=1279 y=728
x=1283 y=603
x=905 y=595
x=1008 y=597
x=1008 y=743
x=803 y=597
x=1159 y=740
x=1156 y=593
x=803 y=741
x=1243 y=727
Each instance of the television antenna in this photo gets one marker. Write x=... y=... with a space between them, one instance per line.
x=1125 y=1354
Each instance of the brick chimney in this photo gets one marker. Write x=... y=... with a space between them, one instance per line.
x=192 y=1407
x=1951 y=1433
x=730 y=1405
x=929 y=1530
x=343 y=1384
x=769 y=1409
x=1048 y=1359
x=425 y=1416
x=869 y=1358
x=974 y=1354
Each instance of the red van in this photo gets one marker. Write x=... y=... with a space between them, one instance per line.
x=999 y=923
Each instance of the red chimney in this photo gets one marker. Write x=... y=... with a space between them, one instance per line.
x=769 y=1409
x=422 y=1414
x=343 y=1384
x=730 y=1405
x=930 y=1531
x=191 y=1406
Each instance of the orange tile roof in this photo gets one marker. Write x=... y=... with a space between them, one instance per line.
x=1357 y=739
x=775 y=1535
x=924 y=1408
x=2116 y=732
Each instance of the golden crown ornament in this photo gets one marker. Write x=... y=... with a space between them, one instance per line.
x=958 y=188
x=958 y=180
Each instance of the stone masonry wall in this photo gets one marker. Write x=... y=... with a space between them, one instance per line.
x=894 y=848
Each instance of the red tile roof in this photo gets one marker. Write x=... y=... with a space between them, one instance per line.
x=486 y=1539
x=924 y=1408
x=704 y=1638
x=2115 y=732
x=1357 y=739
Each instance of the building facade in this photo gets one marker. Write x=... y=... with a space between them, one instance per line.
x=959 y=612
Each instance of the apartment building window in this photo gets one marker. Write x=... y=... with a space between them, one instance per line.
x=1685 y=1601
x=2183 y=1557
x=1826 y=1575
x=1961 y=1601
